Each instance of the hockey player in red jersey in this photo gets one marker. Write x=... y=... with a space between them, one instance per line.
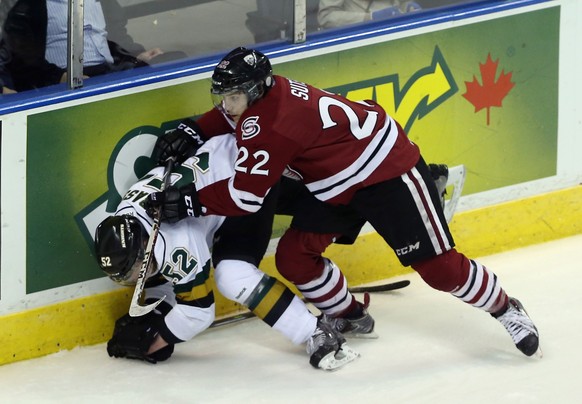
x=356 y=159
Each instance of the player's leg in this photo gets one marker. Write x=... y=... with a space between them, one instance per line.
x=407 y=213
x=239 y=247
x=268 y=298
x=299 y=258
x=275 y=304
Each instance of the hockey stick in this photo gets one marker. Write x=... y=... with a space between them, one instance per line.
x=386 y=287
x=135 y=309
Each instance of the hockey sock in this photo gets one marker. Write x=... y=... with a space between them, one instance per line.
x=482 y=289
x=329 y=292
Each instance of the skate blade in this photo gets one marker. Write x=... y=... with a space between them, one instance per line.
x=370 y=335
x=539 y=354
x=332 y=361
x=456 y=180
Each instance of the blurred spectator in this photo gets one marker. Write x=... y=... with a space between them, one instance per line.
x=116 y=27
x=5 y=6
x=337 y=13
x=5 y=78
x=6 y=84
x=33 y=52
x=273 y=19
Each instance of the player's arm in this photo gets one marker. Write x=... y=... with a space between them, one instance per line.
x=187 y=310
x=183 y=141
x=133 y=337
x=194 y=309
x=258 y=167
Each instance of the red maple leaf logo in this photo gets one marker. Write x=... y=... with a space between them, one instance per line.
x=492 y=92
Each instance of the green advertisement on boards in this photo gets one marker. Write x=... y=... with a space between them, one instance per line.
x=484 y=95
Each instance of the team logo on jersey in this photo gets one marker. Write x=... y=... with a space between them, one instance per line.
x=250 y=127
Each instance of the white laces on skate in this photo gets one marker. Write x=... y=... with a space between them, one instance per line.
x=521 y=328
x=517 y=324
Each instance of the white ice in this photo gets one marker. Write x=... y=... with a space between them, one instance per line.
x=432 y=349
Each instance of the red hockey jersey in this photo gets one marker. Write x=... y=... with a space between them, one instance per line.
x=334 y=145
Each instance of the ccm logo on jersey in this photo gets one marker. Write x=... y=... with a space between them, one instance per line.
x=408 y=249
x=250 y=127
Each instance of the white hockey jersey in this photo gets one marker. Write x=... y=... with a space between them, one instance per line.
x=182 y=251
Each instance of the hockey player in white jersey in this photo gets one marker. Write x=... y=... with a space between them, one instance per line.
x=182 y=263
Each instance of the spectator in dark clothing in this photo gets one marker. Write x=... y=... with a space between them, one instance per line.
x=33 y=52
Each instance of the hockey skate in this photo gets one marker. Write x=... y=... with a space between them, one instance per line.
x=328 y=350
x=440 y=175
x=453 y=179
x=522 y=330
x=359 y=327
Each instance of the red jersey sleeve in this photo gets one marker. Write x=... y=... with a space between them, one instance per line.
x=213 y=123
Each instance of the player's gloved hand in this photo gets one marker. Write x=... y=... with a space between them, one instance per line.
x=181 y=143
x=133 y=336
x=175 y=203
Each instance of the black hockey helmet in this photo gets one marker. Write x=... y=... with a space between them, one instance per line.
x=119 y=246
x=245 y=70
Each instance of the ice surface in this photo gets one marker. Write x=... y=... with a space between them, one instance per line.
x=432 y=349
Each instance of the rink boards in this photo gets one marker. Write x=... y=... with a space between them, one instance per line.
x=66 y=163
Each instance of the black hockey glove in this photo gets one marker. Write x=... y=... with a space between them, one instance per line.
x=175 y=203
x=181 y=143
x=133 y=336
